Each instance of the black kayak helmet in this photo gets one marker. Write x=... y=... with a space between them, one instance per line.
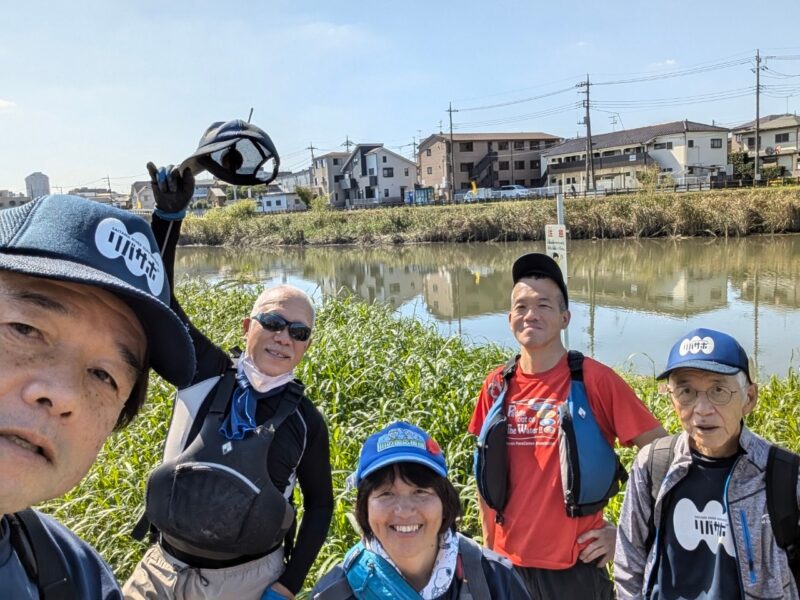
x=235 y=152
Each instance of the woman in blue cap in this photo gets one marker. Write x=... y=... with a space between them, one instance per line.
x=407 y=511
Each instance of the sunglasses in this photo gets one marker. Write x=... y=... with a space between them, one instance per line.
x=274 y=322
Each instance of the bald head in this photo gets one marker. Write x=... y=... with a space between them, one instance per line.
x=279 y=294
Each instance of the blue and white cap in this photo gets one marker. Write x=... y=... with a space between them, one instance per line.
x=396 y=443
x=707 y=350
x=69 y=238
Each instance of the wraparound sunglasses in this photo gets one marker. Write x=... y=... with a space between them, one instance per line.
x=274 y=322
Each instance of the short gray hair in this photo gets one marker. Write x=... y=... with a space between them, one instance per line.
x=282 y=292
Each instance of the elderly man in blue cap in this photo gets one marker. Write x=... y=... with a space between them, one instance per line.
x=84 y=315
x=713 y=511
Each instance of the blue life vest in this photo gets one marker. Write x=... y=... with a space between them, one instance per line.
x=591 y=471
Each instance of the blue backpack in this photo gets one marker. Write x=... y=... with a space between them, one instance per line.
x=591 y=471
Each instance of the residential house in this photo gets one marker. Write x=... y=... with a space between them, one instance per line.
x=289 y=182
x=778 y=144
x=489 y=159
x=142 y=195
x=374 y=175
x=9 y=199
x=326 y=176
x=208 y=193
x=279 y=202
x=682 y=148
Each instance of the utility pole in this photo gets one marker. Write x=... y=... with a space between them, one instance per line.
x=756 y=174
x=451 y=110
x=587 y=120
x=311 y=147
x=347 y=143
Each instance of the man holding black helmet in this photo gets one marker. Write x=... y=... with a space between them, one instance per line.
x=243 y=434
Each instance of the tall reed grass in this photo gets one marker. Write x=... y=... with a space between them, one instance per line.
x=647 y=214
x=365 y=368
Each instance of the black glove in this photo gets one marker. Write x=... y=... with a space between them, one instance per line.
x=171 y=188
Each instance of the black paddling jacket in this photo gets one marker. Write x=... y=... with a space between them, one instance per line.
x=299 y=454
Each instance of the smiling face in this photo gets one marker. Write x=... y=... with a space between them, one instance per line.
x=275 y=352
x=70 y=355
x=537 y=314
x=713 y=430
x=406 y=519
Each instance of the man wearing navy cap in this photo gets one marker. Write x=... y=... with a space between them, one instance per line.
x=84 y=315
x=696 y=520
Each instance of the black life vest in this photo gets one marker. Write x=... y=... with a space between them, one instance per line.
x=216 y=499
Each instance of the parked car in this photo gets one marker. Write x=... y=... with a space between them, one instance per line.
x=514 y=191
x=480 y=194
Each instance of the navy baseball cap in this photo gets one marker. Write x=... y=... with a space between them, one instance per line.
x=707 y=350
x=396 y=443
x=540 y=265
x=73 y=239
x=235 y=151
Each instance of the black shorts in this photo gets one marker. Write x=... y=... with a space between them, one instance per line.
x=581 y=581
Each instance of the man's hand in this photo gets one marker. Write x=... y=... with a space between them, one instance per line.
x=601 y=549
x=171 y=188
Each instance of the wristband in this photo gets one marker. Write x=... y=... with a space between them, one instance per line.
x=170 y=216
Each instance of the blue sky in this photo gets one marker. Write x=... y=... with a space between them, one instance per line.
x=90 y=89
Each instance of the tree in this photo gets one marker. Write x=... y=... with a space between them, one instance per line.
x=742 y=165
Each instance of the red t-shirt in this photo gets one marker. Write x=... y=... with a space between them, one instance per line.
x=537 y=531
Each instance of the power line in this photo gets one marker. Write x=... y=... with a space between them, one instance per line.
x=679 y=73
x=520 y=101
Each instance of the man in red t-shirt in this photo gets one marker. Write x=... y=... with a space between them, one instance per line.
x=560 y=557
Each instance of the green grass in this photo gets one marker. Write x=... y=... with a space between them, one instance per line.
x=364 y=369
x=646 y=214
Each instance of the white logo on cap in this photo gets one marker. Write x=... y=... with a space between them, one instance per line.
x=113 y=240
x=696 y=345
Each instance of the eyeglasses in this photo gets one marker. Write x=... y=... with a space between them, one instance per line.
x=687 y=395
x=274 y=322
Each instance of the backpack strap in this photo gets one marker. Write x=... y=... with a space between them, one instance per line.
x=474 y=585
x=40 y=556
x=290 y=400
x=781 y=476
x=222 y=398
x=575 y=362
x=659 y=458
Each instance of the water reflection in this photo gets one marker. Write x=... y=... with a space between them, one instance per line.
x=627 y=297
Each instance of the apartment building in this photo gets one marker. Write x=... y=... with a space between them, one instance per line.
x=374 y=175
x=9 y=199
x=289 y=181
x=37 y=184
x=489 y=159
x=682 y=148
x=326 y=176
x=778 y=145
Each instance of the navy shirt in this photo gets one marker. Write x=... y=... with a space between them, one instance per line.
x=91 y=576
x=697 y=558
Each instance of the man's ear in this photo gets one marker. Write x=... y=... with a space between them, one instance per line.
x=246 y=325
x=752 y=398
x=566 y=316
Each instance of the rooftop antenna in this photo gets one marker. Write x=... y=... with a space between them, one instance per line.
x=250 y=116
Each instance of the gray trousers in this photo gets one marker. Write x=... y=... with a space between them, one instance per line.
x=582 y=581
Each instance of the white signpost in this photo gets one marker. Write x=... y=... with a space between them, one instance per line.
x=555 y=243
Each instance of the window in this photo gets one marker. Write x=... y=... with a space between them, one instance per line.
x=335 y=161
x=533 y=145
x=690 y=143
x=751 y=142
x=465 y=167
x=465 y=146
x=662 y=146
x=277 y=202
x=297 y=201
x=520 y=182
x=336 y=196
x=394 y=288
x=383 y=159
x=519 y=145
x=465 y=185
x=405 y=172
x=268 y=202
x=430 y=170
x=535 y=164
x=502 y=145
x=503 y=182
x=337 y=178
x=716 y=142
x=503 y=166
x=370 y=171
x=781 y=138
x=385 y=192
x=428 y=152
x=519 y=164
x=388 y=171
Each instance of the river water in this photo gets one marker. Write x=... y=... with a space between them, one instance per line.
x=629 y=299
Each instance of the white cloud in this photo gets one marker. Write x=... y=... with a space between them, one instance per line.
x=7 y=104
x=664 y=64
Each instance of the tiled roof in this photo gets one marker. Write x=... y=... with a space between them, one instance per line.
x=632 y=137
x=769 y=122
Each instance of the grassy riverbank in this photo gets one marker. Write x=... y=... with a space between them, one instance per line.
x=365 y=368
x=648 y=214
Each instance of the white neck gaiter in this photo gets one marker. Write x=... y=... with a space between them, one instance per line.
x=258 y=380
